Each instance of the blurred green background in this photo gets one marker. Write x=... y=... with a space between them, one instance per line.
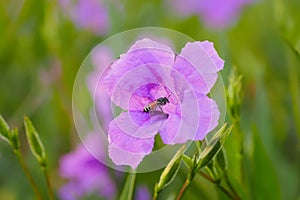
x=41 y=50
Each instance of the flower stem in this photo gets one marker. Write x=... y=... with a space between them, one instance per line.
x=226 y=191
x=49 y=187
x=294 y=90
x=242 y=137
x=27 y=173
x=183 y=189
x=155 y=194
x=231 y=187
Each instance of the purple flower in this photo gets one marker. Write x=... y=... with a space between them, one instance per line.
x=214 y=13
x=85 y=173
x=87 y=14
x=149 y=71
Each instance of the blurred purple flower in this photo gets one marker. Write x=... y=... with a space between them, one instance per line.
x=51 y=75
x=217 y=14
x=87 y=14
x=142 y=193
x=148 y=71
x=85 y=173
x=101 y=58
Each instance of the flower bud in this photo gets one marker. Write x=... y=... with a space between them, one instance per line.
x=214 y=146
x=234 y=95
x=171 y=170
x=14 y=140
x=4 y=130
x=35 y=143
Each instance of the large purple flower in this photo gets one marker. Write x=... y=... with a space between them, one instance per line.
x=148 y=71
x=214 y=13
x=87 y=14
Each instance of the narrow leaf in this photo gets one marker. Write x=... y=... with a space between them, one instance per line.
x=4 y=130
x=128 y=189
x=171 y=170
x=35 y=143
x=198 y=145
x=266 y=184
x=213 y=146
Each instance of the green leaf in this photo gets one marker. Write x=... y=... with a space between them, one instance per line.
x=265 y=182
x=4 y=130
x=170 y=171
x=214 y=146
x=128 y=189
x=35 y=143
x=198 y=145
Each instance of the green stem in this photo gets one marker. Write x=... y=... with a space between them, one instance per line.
x=294 y=90
x=155 y=194
x=183 y=189
x=231 y=187
x=27 y=173
x=210 y=179
x=242 y=137
x=49 y=187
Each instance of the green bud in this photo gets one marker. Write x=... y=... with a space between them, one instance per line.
x=170 y=171
x=14 y=140
x=4 y=130
x=234 y=94
x=35 y=143
x=213 y=147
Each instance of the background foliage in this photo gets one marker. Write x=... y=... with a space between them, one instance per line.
x=41 y=51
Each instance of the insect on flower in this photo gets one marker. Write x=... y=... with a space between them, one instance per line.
x=189 y=76
x=158 y=103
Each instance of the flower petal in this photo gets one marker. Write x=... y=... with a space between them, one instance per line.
x=182 y=126
x=141 y=65
x=131 y=136
x=135 y=125
x=149 y=44
x=120 y=134
x=193 y=124
x=122 y=157
x=199 y=63
x=147 y=94
x=128 y=85
x=209 y=116
x=170 y=129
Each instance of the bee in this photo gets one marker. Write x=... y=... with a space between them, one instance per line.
x=158 y=103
